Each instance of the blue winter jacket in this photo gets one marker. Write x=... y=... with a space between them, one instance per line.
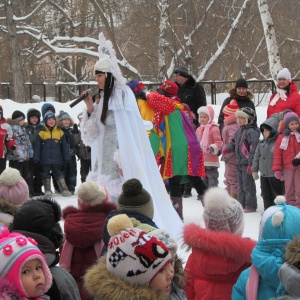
x=267 y=256
x=51 y=147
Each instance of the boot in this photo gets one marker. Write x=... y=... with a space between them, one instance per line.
x=63 y=187
x=47 y=186
x=177 y=204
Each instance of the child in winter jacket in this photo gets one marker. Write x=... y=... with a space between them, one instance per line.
x=24 y=273
x=208 y=134
x=244 y=144
x=289 y=272
x=51 y=150
x=6 y=140
x=83 y=152
x=83 y=231
x=33 y=128
x=219 y=252
x=137 y=266
x=280 y=224
x=230 y=127
x=70 y=168
x=20 y=157
x=286 y=148
x=271 y=187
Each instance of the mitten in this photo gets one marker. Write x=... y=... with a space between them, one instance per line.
x=225 y=150
x=249 y=172
x=210 y=149
x=296 y=160
x=75 y=129
x=278 y=175
x=255 y=175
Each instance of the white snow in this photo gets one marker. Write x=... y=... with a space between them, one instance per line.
x=192 y=208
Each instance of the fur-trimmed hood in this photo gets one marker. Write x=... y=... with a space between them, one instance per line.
x=179 y=274
x=8 y=208
x=60 y=125
x=292 y=254
x=9 y=291
x=222 y=244
x=12 y=122
x=237 y=97
x=100 y=284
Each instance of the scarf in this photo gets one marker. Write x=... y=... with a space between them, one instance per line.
x=205 y=137
x=252 y=284
x=281 y=94
x=285 y=140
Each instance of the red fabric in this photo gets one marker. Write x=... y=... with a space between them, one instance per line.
x=282 y=159
x=292 y=102
x=83 y=228
x=216 y=261
x=3 y=138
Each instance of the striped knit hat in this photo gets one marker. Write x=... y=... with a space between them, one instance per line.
x=230 y=108
x=15 y=251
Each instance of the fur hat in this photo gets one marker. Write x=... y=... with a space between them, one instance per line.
x=15 y=251
x=91 y=193
x=46 y=107
x=284 y=73
x=40 y=215
x=136 y=86
x=289 y=117
x=18 y=115
x=241 y=83
x=280 y=221
x=135 y=198
x=133 y=255
x=168 y=88
x=246 y=112
x=13 y=187
x=32 y=112
x=63 y=115
x=230 y=108
x=222 y=213
x=208 y=110
x=103 y=65
x=166 y=238
x=182 y=71
x=49 y=115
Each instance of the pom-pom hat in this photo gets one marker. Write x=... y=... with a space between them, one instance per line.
x=230 y=108
x=165 y=237
x=133 y=255
x=13 y=187
x=222 y=213
x=289 y=117
x=241 y=83
x=284 y=73
x=15 y=251
x=168 y=88
x=91 y=193
x=135 y=198
x=49 y=115
x=63 y=115
x=136 y=86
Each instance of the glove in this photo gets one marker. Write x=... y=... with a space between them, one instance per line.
x=278 y=175
x=255 y=175
x=210 y=149
x=296 y=162
x=249 y=172
x=75 y=129
x=225 y=151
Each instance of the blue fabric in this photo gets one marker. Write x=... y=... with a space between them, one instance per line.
x=46 y=107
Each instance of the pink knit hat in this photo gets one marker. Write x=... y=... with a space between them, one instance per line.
x=15 y=251
x=13 y=187
x=209 y=110
x=230 y=108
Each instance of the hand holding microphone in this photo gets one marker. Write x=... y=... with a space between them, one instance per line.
x=81 y=97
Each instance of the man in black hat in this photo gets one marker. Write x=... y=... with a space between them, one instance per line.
x=189 y=91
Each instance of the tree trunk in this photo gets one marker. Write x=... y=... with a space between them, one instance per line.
x=270 y=37
x=18 y=81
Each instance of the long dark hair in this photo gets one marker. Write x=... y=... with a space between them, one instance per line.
x=108 y=88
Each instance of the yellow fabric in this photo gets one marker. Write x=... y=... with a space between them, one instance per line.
x=56 y=133
x=146 y=111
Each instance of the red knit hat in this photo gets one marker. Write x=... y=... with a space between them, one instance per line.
x=170 y=88
x=230 y=108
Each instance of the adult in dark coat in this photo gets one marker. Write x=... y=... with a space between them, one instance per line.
x=189 y=91
x=243 y=97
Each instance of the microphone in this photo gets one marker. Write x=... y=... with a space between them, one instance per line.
x=80 y=98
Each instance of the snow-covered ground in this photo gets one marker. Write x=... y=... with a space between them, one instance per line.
x=192 y=208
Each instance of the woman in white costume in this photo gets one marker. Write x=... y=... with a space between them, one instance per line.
x=121 y=150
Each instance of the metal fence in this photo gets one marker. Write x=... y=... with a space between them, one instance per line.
x=216 y=90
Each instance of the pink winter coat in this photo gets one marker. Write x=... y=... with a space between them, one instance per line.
x=215 y=141
x=282 y=159
x=216 y=261
x=292 y=102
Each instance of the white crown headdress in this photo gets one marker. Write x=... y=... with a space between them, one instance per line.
x=107 y=52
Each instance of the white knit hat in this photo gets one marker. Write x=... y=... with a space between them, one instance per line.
x=133 y=255
x=165 y=237
x=222 y=213
x=91 y=193
x=284 y=73
x=103 y=65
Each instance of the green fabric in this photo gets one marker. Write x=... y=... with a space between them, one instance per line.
x=154 y=141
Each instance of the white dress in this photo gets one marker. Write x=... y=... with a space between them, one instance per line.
x=130 y=139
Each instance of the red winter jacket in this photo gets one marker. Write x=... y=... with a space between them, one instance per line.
x=282 y=159
x=292 y=102
x=6 y=137
x=83 y=228
x=216 y=261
